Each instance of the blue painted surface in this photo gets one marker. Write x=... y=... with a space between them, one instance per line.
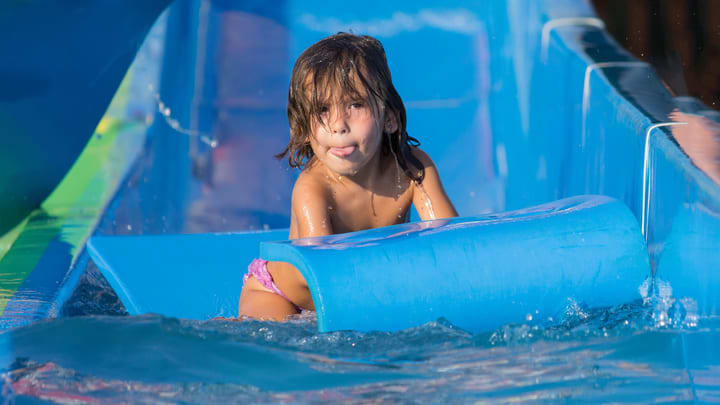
x=35 y=297
x=214 y=91
x=55 y=84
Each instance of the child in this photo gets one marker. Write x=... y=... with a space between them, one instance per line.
x=360 y=169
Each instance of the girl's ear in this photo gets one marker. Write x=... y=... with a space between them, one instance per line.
x=390 y=122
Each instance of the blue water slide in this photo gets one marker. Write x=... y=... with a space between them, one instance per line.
x=61 y=64
x=518 y=103
x=526 y=105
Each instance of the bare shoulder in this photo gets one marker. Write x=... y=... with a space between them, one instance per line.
x=309 y=185
x=429 y=197
x=310 y=198
x=431 y=171
x=422 y=156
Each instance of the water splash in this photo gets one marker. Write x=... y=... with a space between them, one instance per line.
x=667 y=311
x=426 y=198
x=398 y=181
x=166 y=112
x=427 y=202
x=616 y=349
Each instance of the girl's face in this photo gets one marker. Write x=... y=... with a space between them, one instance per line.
x=349 y=135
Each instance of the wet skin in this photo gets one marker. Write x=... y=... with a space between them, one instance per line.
x=349 y=185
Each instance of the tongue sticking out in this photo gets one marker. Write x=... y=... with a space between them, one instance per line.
x=342 y=152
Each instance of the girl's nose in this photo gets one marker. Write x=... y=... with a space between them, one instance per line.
x=339 y=124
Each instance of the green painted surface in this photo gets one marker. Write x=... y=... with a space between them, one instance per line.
x=65 y=60
x=7 y=240
x=73 y=209
x=20 y=260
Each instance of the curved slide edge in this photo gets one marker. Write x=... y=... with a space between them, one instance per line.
x=44 y=262
x=477 y=272
x=55 y=85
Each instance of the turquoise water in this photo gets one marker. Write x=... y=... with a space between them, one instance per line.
x=654 y=350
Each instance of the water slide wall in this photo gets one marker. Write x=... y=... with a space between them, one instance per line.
x=519 y=103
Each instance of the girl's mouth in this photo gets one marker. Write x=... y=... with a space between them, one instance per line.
x=343 y=151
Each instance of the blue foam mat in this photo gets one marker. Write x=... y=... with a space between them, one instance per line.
x=478 y=272
x=188 y=276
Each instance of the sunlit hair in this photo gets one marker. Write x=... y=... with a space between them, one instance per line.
x=342 y=62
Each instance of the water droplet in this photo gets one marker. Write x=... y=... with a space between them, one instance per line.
x=397 y=170
x=174 y=124
x=428 y=203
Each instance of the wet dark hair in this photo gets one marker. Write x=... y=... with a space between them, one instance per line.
x=341 y=61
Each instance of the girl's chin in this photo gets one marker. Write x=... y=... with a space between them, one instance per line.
x=346 y=169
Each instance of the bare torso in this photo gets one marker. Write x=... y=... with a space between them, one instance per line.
x=324 y=205
x=350 y=207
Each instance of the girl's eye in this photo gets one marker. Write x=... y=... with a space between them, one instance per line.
x=357 y=104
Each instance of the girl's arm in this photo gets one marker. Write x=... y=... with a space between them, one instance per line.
x=310 y=208
x=429 y=197
x=309 y=218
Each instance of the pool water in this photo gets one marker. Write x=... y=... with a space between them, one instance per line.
x=656 y=349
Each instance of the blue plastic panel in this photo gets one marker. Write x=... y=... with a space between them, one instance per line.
x=188 y=276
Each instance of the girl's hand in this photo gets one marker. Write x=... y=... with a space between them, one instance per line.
x=700 y=139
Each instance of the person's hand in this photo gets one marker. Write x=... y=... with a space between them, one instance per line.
x=700 y=140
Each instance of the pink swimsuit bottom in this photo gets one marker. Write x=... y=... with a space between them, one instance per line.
x=258 y=269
